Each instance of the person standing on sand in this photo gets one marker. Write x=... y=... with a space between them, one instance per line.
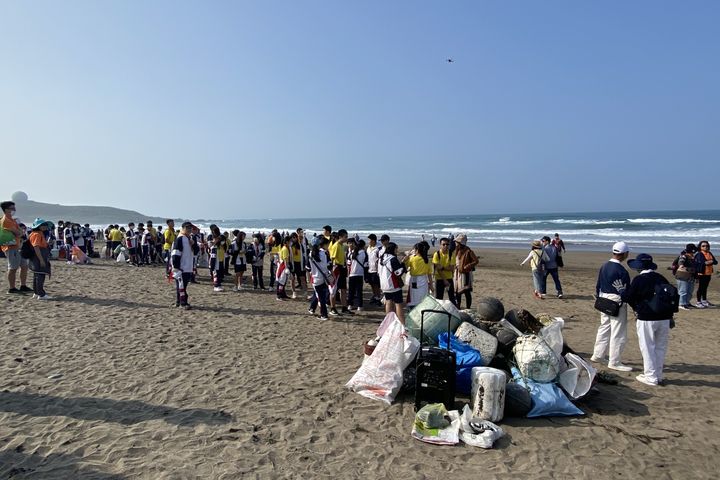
x=654 y=321
x=338 y=255
x=40 y=261
x=169 y=237
x=704 y=260
x=559 y=244
x=390 y=270
x=182 y=255
x=373 y=253
x=12 y=250
x=465 y=263
x=444 y=263
x=537 y=267
x=257 y=259
x=420 y=270
x=612 y=283
x=320 y=277
x=551 y=267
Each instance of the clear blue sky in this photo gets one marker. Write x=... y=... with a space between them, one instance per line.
x=313 y=108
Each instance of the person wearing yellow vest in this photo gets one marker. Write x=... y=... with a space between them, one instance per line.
x=338 y=255
x=169 y=236
x=444 y=262
x=420 y=270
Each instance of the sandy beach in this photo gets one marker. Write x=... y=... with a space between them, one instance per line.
x=110 y=381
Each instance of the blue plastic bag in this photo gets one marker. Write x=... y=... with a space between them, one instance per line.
x=548 y=400
x=466 y=357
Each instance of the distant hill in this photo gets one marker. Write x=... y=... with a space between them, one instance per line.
x=28 y=210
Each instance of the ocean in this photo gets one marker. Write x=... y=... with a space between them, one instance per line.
x=653 y=232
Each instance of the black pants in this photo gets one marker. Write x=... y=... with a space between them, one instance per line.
x=703 y=282
x=321 y=296
x=468 y=299
x=39 y=284
x=355 y=291
x=181 y=284
x=257 y=273
x=145 y=255
x=273 y=268
x=440 y=290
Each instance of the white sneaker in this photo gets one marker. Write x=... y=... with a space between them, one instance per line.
x=34 y=296
x=358 y=309
x=700 y=305
x=620 y=367
x=217 y=289
x=683 y=307
x=598 y=359
x=293 y=296
x=643 y=379
x=707 y=304
x=45 y=297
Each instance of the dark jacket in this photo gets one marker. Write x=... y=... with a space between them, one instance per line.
x=641 y=291
x=700 y=262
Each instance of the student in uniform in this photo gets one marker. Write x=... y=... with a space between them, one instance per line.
x=217 y=257
x=237 y=257
x=390 y=270
x=169 y=239
x=131 y=242
x=152 y=241
x=145 y=242
x=373 y=253
x=338 y=255
x=320 y=277
x=444 y=263
x=283 y=275
x=181 y=258
x=257 y=251
x=420 y=269
x=69 y=241
x=274 y=243
x=300 y=253
x=357 y=263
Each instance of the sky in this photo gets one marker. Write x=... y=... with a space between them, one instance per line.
x=254 y=109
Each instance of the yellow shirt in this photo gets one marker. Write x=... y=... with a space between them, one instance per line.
x=153 y=233
x=297 y=255
x=444 y=261
x=337 y=252
x=170 y=236
x=417 y=266
x=116 y=235
x=285 y=254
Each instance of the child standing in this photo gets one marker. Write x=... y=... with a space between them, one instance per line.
x=40 y=260
x=237 y=250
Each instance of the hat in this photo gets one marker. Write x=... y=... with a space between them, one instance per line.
x=536 y=244
x=40 y=222
x=461 y=238
x=642 y=262
x=620 y=248
x=384 y=238
x=690 y=248
x=372 y=237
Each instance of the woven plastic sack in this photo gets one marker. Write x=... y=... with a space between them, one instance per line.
x=435 y=323
x=381 y=374
x=535 y=359
x=487 y=396
x=578 y=378
x=480 y=340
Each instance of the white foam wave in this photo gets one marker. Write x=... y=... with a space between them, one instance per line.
x=670 y=220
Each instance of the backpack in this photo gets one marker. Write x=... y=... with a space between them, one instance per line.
x=684 y=268
x=27 y=251
x=665 y=301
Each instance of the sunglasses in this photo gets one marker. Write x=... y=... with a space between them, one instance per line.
x=705 y=245
x=444 y=244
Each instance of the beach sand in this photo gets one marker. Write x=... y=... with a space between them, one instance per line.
x=244 y=386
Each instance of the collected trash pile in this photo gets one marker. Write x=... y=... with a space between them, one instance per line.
x=509 y=364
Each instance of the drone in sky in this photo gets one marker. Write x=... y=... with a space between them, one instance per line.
x=450 y=60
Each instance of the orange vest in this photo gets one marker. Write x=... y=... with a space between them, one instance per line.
x=708 y=268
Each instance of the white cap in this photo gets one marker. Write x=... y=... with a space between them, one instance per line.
x=620 y=247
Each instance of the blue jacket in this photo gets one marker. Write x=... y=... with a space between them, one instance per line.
x=613 y=278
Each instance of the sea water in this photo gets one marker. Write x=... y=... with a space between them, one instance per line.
x=659 y=231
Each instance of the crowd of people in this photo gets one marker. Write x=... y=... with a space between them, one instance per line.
x=331 y=269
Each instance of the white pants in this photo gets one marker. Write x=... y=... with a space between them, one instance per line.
x=611 y=334
x=653 y=339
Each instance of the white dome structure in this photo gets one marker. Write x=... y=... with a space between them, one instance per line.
x=19 y=197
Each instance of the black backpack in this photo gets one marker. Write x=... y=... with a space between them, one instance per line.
x=27 y=251
x=665 y=301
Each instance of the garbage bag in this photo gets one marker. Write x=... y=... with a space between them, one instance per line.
x=536 y=359
x=578 y=378
x=477 y=432
x=435 y=323
x=448 y=435
x=381 y=374
x=548 y=400
x=466 y=357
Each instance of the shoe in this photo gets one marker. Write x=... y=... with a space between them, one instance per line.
x=235 y=289
x=217 y=289
x=311 y=311
x=25 y=288
x=359 y=309
x=542 y=296
x=34 y=296
x=684 y=307
x=322 y=318
x=707 y=304
x=700 y=305
x=13 y=290
x=536 y=294
x=44 y=297
x=346 y=311
x=177 y=304
x=334 y=312
x=620 y=367
x=643 y=379
x=598 y=359
x=560 y=295
x=293 y=296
